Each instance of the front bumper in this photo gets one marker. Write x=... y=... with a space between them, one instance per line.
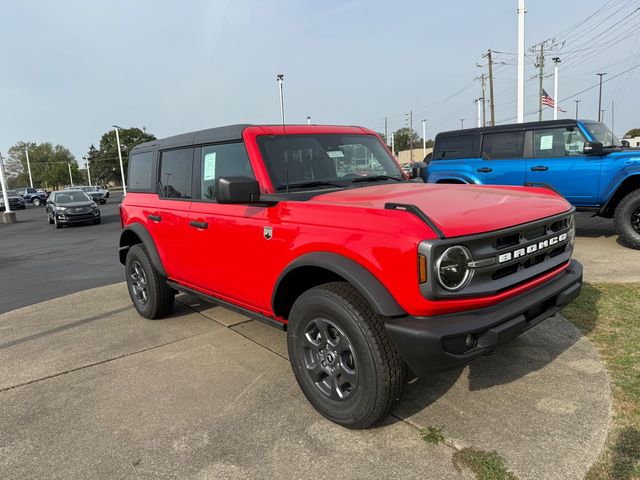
x=66 y=219
x=432 y=344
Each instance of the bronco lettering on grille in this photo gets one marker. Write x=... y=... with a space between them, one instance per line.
x=533 y=248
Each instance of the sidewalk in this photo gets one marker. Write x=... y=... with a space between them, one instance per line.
x=88 y=389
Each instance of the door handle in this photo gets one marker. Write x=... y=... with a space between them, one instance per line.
x=485 y=170
x=155 y=218
x=197 y=224
x=539 y=168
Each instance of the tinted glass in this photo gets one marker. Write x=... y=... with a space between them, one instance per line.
x=557 y=142
x=506 y=145
x=228 y=160
x=176 y=169
x=335 y=158
x=461 y=146
x=140 y=171
x=602 y=134
x=71 y=196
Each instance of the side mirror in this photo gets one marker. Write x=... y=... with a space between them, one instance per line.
x=237 y=190
x=419 y=170
x=593 y=148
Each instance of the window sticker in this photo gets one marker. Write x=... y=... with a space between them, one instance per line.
x=546 y=142
x=210 y=166
x=335 y=154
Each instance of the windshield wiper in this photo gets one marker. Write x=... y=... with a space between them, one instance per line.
x=314 y=183
x=376 y=178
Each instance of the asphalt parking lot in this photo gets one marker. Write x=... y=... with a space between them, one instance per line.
x=39 y=262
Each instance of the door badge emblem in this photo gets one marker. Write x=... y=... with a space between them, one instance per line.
x=267 y=232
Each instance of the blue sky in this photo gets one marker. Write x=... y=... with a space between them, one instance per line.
x=73 y=68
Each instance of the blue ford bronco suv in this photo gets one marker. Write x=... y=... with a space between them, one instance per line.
x=579 y=159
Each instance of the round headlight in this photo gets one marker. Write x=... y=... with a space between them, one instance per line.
x=452 y=268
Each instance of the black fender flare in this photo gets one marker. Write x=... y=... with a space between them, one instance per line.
x=362 y=279
x=143 y=234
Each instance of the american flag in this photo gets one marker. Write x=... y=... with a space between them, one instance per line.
x=549 y=101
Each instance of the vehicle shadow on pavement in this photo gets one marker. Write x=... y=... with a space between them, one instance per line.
x=530 y=352
x=589 y=226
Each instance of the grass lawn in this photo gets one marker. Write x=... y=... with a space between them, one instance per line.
x=609 y=316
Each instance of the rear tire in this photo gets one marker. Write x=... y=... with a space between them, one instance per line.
x=150 y=294
x=627 y=220
x=342 y=357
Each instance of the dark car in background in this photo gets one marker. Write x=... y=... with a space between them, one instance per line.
x=67 y=207
x=16 y=202
x=96 y=195
x=31 y=195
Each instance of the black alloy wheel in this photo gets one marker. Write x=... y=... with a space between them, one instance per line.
x=329 y=359
x=149 y=292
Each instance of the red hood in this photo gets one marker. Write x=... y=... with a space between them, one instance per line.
x=457 y=209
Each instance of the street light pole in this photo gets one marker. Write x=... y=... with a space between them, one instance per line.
x=556 y=61
x=26 y=151
x=462 y=124
x=70 y=177
x=600 y=97
x=124 y=183
x=3 y=185
x=520 y=109
x=393 y=145
x=577 y=102
x=308 y=120
x=86 y=160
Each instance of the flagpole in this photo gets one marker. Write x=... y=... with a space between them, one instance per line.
x=556 y=107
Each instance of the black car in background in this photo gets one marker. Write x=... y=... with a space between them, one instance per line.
x=98 y=196
x=65 y=207
x=31 y=195
x=16 y=202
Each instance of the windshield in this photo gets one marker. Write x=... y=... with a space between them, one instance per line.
x=12 y=193
x=88 y=189
x=327 y=160
x=72 y=196
x=602 y=134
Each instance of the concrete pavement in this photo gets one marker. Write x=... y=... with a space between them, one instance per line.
x=88 y=389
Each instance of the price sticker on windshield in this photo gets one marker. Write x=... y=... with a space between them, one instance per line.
x=335 y=154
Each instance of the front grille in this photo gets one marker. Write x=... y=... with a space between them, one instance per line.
x=505 y=258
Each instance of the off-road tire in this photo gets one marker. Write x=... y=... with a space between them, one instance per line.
x=381 y=372
x=626 y=213
x=160 y=296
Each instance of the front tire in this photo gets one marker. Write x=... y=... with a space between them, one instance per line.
x=36 y=202
x=627 y=220
x=342 y=357
x=150 y=294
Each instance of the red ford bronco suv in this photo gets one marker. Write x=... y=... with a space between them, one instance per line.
x=316 y=230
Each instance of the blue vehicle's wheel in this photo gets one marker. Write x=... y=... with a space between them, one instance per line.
x=36 y=202
x=627 y=220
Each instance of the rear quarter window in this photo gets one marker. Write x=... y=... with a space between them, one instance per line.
x=459 y=146
x=141 y=172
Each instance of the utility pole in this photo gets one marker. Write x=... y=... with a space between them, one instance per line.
x=479 y=112
x=577 y=102
x=540 y=66
x=521 y=11
x=600 y=97
x=26 y=152
x=424 y=138
x=462 y=124
x=613 y=120
x=308 y=120
x=393 y=145
x=124 y=183
x=489 y=56
x=386 y=132
x=556 y=61
x=410 y=120
x=70 y=177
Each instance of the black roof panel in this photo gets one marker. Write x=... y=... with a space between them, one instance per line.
x=513 y=127
x=210 y=135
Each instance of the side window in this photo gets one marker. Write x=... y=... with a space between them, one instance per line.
x=176 y=171
x=557 y=142
x=140 y=171
x=497 y=146
x=224 y=160
x=461 y=146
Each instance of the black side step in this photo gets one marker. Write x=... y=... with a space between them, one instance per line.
x=242 y=311
x=418 y=213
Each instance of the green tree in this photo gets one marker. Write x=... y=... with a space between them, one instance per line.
x=49 y=165
x=104 y=162
x=403 y=137
x=634 y=132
